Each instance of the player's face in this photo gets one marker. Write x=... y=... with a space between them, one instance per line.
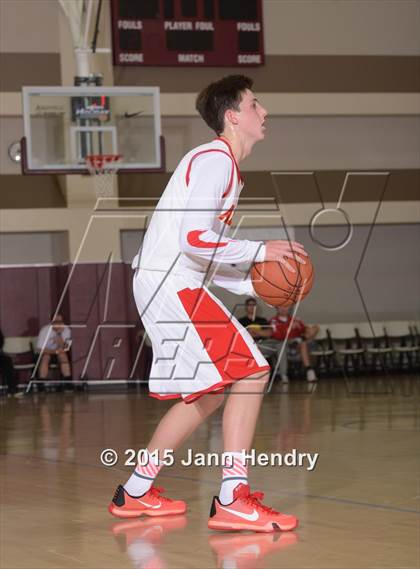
x=251 y=117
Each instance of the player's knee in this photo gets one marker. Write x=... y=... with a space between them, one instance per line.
x=262 y=378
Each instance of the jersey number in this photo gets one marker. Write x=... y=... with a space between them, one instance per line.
x=227 y=215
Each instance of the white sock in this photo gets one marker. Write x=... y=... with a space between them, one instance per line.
x=143 y=476
x=234 y=473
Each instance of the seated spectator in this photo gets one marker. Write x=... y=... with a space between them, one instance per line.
x=54 y=341
x=262 y=332
x=299 y=333
x=7 y=371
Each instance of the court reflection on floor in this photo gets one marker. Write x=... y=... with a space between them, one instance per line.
x=55 y=492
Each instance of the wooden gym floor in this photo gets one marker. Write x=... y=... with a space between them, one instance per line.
x=358 y=508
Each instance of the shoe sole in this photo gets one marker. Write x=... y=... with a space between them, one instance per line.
x=119 y=513
x=267 y=528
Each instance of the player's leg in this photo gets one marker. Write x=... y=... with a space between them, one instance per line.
x=64 y=364
x=241 y=412
x=306 y=360
x=43 y=369
x=239 y=421
x=181 y=421
x=236 y=508
x=44 y=365
x=282 y=355
x=304 y=354
x=138 y=496
x=173 y=429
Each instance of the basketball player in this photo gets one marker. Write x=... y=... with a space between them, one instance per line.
x=199 y=349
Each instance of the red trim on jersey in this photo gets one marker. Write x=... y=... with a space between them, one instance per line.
x=221 y=339
x=227 y=216
x=170 y=396
x=193 y=238
x=188 y=173
x=238 y=172
x=221 y=386
x=215 y=388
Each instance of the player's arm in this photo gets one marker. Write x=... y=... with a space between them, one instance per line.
x=233 y=280
x=42 y=339
x=67 y=338
x=266 y=331
x=209 y=180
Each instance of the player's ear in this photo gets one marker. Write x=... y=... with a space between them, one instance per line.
x=231 y=117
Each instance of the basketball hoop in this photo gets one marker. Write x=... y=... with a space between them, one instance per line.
x=103 y=168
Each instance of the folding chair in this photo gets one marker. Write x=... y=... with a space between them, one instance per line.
x=20 y=350
x=404 y=345
x=349 y=354
x=375 y=343
x=322 y=351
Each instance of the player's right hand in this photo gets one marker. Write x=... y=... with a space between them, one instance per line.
x=281 y=250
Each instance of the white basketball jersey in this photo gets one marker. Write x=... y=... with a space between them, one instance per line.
x=189 y=229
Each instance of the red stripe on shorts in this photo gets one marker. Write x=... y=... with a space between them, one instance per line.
x=221 y=339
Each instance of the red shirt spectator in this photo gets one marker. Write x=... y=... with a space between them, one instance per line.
x=281 y=323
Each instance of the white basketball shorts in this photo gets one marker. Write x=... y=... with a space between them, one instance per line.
x=198 y=346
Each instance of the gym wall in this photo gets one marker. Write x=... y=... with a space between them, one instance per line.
x=342 y=94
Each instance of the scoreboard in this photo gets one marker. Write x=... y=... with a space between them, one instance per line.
x=187 y=32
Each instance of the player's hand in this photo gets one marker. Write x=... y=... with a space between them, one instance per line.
x=282 y=250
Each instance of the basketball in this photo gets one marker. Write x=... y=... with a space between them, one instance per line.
x=278 y=286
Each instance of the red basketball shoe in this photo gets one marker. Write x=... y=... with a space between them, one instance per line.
x=246 y=512
x=151 y=503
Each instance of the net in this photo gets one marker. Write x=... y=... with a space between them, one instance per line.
x=103 y=168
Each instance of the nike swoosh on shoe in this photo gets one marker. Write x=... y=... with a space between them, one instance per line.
x=250 y=517
x=150 y=505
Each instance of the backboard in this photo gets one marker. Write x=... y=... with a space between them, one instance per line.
x=63 y=125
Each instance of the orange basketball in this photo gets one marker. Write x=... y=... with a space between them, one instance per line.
x=278 y=286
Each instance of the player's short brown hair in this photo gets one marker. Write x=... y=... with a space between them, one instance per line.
x=218 y=97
